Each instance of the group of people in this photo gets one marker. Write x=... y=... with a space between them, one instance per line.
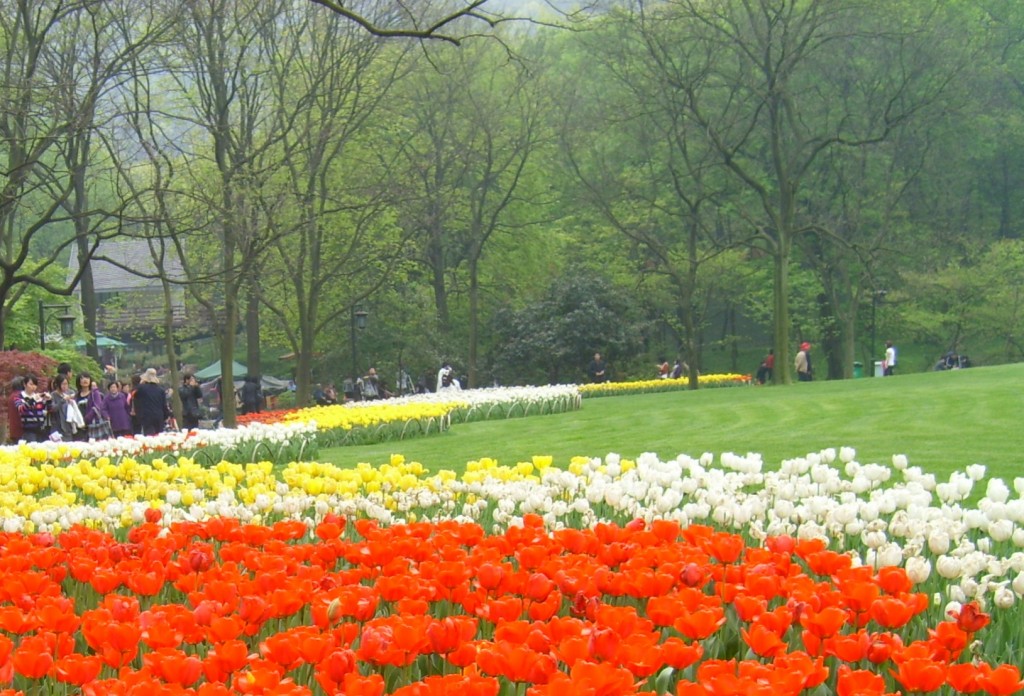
x=597 y=370
x=79 y=409
x=803 y=365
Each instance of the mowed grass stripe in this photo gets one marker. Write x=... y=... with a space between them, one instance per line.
x=941 y=421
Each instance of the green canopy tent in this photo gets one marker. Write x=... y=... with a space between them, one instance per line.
x=103 y=342
x=213 y=371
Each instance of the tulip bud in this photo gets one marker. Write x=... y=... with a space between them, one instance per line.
x=334 y=610
x=692 y=575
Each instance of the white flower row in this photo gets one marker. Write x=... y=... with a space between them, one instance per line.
x=177 y=442
x=483 y=397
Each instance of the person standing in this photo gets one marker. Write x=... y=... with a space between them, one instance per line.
x=889 y=362
x=804 y=372
x=191 y=396
x=65 y=418
x=119 y=409
x=766 y=368
x=91 y=404
x=598 y=369
x=252 y=395
x=150 y=404
x=32 y=407
x=446 y=379
x=13 y=417
x=370 y=387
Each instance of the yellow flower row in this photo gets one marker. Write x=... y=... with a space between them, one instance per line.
x=110 y=494
x=347 y=418
x=715 y=380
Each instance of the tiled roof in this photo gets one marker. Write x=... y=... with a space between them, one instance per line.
x=133 y=262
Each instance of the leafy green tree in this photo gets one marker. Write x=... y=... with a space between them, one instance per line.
x=554 y=338
x=647 y=173
x=328 y=205
x=60 y=61
x=755 y=94
x=473 y=130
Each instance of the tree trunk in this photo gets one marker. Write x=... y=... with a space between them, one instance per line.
x=474 y=310
x=172 y=353
x=252 y=330
x=783 y=372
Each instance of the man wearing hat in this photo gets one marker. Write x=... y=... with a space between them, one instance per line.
x=803 y=362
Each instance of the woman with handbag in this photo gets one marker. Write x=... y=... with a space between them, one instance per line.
x=119 y=409
x=65 y=418
x=94 y=409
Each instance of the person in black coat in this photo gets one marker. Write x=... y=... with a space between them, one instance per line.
x=252 y=395
x=150 y=404
x=191 y=397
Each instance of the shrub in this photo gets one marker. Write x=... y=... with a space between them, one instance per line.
x=15 y=363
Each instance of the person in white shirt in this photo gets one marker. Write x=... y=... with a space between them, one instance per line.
x=889 y=364
x=446 y=380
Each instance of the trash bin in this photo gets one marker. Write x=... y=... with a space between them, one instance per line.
x=878 y=368
x=858 y=370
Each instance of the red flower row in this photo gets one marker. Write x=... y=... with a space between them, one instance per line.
x=222 y=607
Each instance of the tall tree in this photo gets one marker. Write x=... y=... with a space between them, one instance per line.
x=60 y=61
x=475 y=124
x=335 y=241
x=222 y=67
x=756 y=95
x=642 y=164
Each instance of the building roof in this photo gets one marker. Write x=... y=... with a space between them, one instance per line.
x=131 y=264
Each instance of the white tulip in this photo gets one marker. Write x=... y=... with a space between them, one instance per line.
x=889 y=555
x=938 y=542
x=873 y=539
x=1004 y=598
x=975 y=519
x=868 y=511
x=847 y=454
x=976 y=472
x=861 y=484
x=1018 y=584
x=844 y=514
x=948 y=567
x=899 y=461
x=918 y=569
x=997 y=490
x=1000 y=530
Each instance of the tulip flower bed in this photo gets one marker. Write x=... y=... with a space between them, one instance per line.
x=255 y=442
x=456 y=406
x=590 y=391
x=221 y=607
x=298 y=434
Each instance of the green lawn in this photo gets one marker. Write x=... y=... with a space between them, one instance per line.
x=942 y=421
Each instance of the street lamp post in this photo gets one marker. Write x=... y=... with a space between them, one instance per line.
x=876 y=297
x=67 y=321
x=358 y=322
